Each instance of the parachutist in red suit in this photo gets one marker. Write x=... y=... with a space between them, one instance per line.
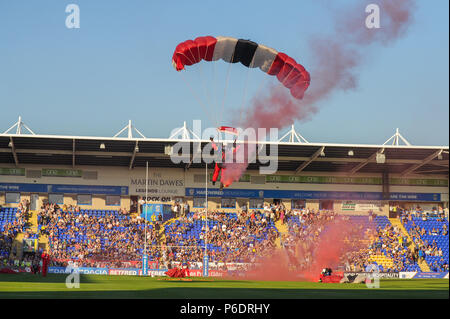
x=217 y=166
x=45 y=262
x=220 y=168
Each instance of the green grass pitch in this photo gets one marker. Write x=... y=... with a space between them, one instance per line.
x=100 y=286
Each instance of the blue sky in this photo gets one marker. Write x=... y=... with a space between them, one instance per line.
x=117 y=66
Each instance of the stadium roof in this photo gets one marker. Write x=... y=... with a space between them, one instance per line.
x=135 y=152
x=300 y=156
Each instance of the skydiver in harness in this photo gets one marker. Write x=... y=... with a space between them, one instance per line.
x=217 y=166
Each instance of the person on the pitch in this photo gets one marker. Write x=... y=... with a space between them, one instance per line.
x=217 y=166
x=185 y=267
x=35 y=266
x=45 y=261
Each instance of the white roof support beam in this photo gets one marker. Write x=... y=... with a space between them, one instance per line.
x=133 y=156
x=293 y=136
x=311 y=159
x=129 y=128
x=185 y=133
x=367 y=161
x=425 y=161
x=19 y=125
x=396 y=138
x=13 y=150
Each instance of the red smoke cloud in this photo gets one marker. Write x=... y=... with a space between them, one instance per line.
x=339 y=238
x=276 y=110
x=332 y=244
x=236 y=163
x=395 y=18
x=336 y=59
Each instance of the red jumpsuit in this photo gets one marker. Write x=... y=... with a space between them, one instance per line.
x=218 y=168
x=45 y=261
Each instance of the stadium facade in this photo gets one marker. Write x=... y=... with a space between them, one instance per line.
x=110 y=173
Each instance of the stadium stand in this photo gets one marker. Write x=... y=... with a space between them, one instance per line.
x=232 y=238
x=386 y=246
x=91 y=237
x=7 y=217
x=430 y=236
x=115 y=238
x=389 y=248
x=12 y=223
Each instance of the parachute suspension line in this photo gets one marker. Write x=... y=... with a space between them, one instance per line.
x=200 y=74
x=205 y=90
x=244 y=94
x=263 y=82
x=214 y=93
x=226 y=86
x=200 y=102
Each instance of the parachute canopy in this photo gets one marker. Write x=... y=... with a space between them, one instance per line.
x=228 y=129
x=253 y=55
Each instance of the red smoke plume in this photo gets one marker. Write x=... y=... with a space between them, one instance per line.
x=236 y=163
x=337 y=58
x=339 y=238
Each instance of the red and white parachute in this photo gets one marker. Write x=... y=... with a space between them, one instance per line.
x=228 y=130
x=253 y=55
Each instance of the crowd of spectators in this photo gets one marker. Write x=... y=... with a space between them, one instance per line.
x=363 y=240
x=419 y=212
x=230 y=237
x=28 y=260
x=10 y=229
x=390 y=242
x=117 y=238
x=306 y=234
x=94 y=239
x=240 y=238
x=305 y=227
x=426 y=244
x=180 y=209
x=21 y=218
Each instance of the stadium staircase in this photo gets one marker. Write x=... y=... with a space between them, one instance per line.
x=383 y=260
x=32 y=224
x=42 y=239
x=162 y=231
x=397 y=223
x=282 y=230
x=161 y=239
